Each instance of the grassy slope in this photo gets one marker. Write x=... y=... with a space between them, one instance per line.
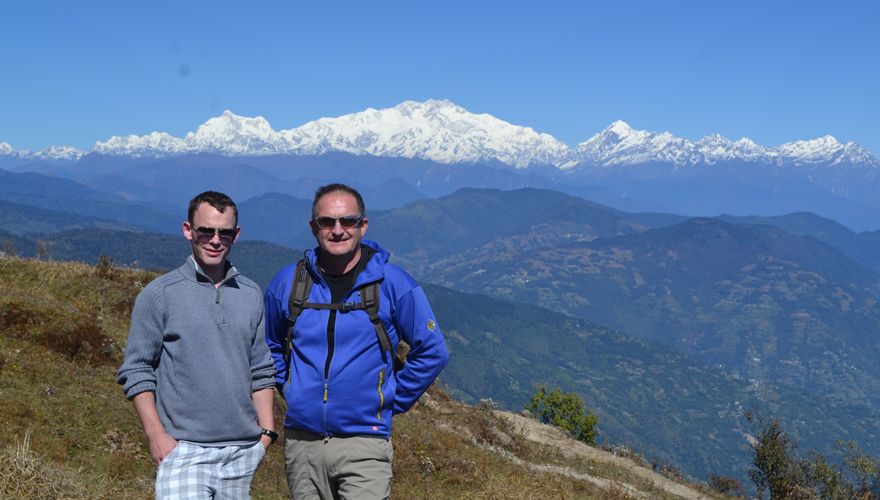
x=63 y=332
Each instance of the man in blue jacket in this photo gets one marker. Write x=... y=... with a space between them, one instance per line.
x=340 y=384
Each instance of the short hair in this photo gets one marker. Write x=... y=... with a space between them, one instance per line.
x=217 y=200
x=333 y=188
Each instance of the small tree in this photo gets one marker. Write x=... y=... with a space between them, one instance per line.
x=564 y=410
x=866 y=469
x=776 y=468
x=8 y=249
x=42 y=250
x=104 y=267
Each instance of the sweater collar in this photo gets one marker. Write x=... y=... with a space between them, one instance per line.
x=193 y=271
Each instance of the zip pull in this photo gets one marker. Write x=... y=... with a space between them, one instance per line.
x=217 y=298
x=325 y=393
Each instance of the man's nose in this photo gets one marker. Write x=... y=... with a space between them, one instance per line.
x=337 y=227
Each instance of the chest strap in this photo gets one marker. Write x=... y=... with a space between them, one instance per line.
x=299 y=295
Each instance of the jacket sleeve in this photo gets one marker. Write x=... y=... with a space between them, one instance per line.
x=144 y=347
x=276 y=328
x=427 y=356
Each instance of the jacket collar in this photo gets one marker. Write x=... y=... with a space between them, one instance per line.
x=374 y=270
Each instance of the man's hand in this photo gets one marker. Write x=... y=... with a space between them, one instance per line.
x=265 y=441
x=263 y=400
x=161 y=445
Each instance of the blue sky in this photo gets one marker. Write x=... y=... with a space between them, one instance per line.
x=74 y=73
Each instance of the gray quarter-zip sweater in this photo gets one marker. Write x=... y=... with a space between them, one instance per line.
x=202 y=350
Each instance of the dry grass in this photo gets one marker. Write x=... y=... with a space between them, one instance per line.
x=67 y=431
x=25 y=475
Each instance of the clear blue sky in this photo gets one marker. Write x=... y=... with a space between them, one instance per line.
x=72 y=73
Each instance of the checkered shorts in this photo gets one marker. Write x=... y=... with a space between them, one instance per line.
x=193 y=471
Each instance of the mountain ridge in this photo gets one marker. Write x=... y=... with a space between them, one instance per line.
x=441 y=131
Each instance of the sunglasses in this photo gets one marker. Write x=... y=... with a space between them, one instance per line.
x=346 y=221
x=209 y=232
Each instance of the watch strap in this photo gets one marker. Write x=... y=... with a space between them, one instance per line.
x=272 y=434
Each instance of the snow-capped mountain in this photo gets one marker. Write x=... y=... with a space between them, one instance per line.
x=235 y=135
x=155 y=144
x=825 y=149
x=51 y=153
x=619 y=144
x=443 y=132
x=432 y=130
x=227 y=134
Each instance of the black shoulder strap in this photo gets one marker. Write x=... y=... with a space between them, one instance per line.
x=370 y=300
x=299 y=294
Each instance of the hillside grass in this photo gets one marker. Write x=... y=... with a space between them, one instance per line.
x=67 y=431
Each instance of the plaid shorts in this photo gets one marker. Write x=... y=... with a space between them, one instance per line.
x=193 y=471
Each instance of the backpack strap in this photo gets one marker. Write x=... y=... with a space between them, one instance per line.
x=299 y=295
x=370 y=300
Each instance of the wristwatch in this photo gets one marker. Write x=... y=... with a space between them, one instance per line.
x=272 y=434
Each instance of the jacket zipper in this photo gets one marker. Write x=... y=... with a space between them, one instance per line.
x=217 y=302
x=331 y=345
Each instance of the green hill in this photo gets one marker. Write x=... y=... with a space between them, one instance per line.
x=762 y=304
x=667 y=405
x=427 y=230
x=67 y=431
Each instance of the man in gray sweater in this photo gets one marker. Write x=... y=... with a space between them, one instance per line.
x=197 y=368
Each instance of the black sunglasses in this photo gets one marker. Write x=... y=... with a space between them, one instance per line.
x=346 y=221
x=209 y=232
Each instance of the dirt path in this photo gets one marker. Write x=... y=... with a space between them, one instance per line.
x=547 y=435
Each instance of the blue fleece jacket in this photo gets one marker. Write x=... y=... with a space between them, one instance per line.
x=201 y=350
x=358 y=391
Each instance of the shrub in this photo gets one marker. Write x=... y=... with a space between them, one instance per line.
x=564 y=410
x=726 y=485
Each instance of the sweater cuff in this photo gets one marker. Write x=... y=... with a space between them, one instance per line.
x=142 y=386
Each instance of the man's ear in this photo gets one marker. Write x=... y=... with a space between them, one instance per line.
x=186 y=227
x=364 y=224
x=314 y=228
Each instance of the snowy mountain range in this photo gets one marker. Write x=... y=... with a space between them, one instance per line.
x=443 y=132
x=51 y=153
x=619 y=144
